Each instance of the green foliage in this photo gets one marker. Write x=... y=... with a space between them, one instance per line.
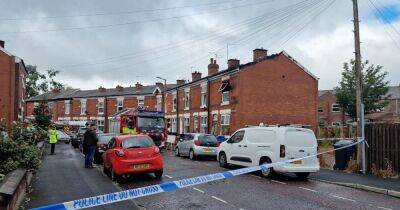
x=37 y=83
x=18 y=149
x=42 y=115
x=374 y=87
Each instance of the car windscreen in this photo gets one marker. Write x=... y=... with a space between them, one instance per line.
x=150 y=123
x=186 y=137
x=61 y=134
x=208 y=140
x=104 y=139
x=137 y=142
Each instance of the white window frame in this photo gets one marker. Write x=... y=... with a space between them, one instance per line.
x=140 y=102
x=174 y=102
x=100 y=125
x=173 y=125
x=159 y=103
x=120 y=104
x=203 y=124
x=225 y=119
x=100 y=106
x=203 y=96
x=67 y=106
x=195 y=123
x=320 y=110
x=35 y=104
x=83 y=106
x=186 y=125
x=225 y=100
x=337 y=106
x=187 y=99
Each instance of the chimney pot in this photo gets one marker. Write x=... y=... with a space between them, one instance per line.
x=2 y=43
x=56 y=90
x=196 y=75
x=119 y=88
x=102 y=89
x=138 y=85
x=180 y=81
x=213 y=67
x=259 y=54
x=233 y=63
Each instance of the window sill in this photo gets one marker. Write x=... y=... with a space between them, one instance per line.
x=203 y=106
x=225 y=103
x=186 y=109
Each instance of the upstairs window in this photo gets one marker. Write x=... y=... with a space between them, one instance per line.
x=120 y=104
x=174 y=102
x=159 y=103
x=141 y=102
x=187 y=99
x=335 y=108
x=67 y=107
x=203 y=96
x=320 y=110
x=83 y=106
x=100 y=106
x=225 y=92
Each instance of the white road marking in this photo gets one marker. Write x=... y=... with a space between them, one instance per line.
x=277 y=181
x=216 y=198
x=170 y=177
x=198 y=190
x=343 y=198
x=380 y=207
x=304 y=188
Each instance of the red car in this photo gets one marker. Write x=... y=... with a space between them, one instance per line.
x=131 y=154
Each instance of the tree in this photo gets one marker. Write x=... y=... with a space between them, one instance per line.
x=37 y=83
x=374 y=88
x=42 y=115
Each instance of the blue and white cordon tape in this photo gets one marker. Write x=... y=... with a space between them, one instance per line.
x=167 y=186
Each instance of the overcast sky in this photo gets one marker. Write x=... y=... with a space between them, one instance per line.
x=107 y=43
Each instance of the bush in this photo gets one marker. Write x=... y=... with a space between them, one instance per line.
x=18 y=149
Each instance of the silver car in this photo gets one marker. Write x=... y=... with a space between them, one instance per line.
x=196 y=144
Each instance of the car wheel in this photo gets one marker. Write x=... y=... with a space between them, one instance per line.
x=177 y=152
x=114 y=177
x=269 y=172
x=158 y=174
x=303 y=175
x=222 y=160
x=191 y=155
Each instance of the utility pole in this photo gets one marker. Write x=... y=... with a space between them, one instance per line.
x=358 y=78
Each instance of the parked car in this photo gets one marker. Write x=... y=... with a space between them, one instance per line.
x=63 y=137
x=196 y=144
x=261 y=145
x=102 y=146
x=76 y=142
x=132 y=154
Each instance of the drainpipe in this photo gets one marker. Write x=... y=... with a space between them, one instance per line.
x=208 y=105
x=105 y=115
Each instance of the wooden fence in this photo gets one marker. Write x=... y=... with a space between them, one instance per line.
x=384 y=146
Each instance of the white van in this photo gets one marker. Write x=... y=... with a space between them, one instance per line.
x=259 y=145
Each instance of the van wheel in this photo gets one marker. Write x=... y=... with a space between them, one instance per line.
x=158 y=174
x=269 y=172
x=222 y=160
x=303 y=175
x=191 y=155
x=177 y=152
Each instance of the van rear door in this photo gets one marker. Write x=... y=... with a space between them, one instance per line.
x=300 y=143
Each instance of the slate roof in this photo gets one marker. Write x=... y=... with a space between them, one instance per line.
x=76 y=93
x=322 y=92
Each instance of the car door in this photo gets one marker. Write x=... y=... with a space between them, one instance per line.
x=108 y=154
x=237 y=147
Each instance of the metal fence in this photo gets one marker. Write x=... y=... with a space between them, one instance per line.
x=384 y=147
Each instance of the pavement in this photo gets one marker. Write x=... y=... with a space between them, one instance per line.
x=245 y=192
x=356 y=179
x=62 y=177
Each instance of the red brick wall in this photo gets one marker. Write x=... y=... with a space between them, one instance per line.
x=7 y=91
x=327 y=116
x=276 y=91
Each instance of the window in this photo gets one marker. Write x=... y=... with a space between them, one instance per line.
x=187 y=99
x=320 y=110
x=83 y=106
x=50 y=105
x=203 y=128
x=100 y=106
x=174 y=102
x=237 y=137
x=225 y=122
x=225 y=89
x=195 y=124
x=203 y=96
x=67 y=107
x=335 y=108
x=173 y=125
x=140 y=102
x=120 y=104
x=225 y=98
x=187 y=125
x=35 y=104
x=100 y=125
x=159 y=103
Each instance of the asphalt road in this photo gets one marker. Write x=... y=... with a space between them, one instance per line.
x=251 y=191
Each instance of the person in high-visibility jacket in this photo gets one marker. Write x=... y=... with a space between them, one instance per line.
x=52 y=133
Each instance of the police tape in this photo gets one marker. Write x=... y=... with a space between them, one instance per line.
x=169 y=186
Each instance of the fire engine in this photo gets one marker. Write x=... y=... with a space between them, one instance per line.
x=140 y=121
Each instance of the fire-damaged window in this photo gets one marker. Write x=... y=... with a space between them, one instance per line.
x=225 y=92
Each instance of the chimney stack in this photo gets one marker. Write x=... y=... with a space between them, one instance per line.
x=119 y=88
x=180 y=82
x=138 y=85
x=196 y=75
x=213 y=67
x=2 y=43
x=102 y=89
x=259 y=54
x=56 y=89
x=233 y=63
